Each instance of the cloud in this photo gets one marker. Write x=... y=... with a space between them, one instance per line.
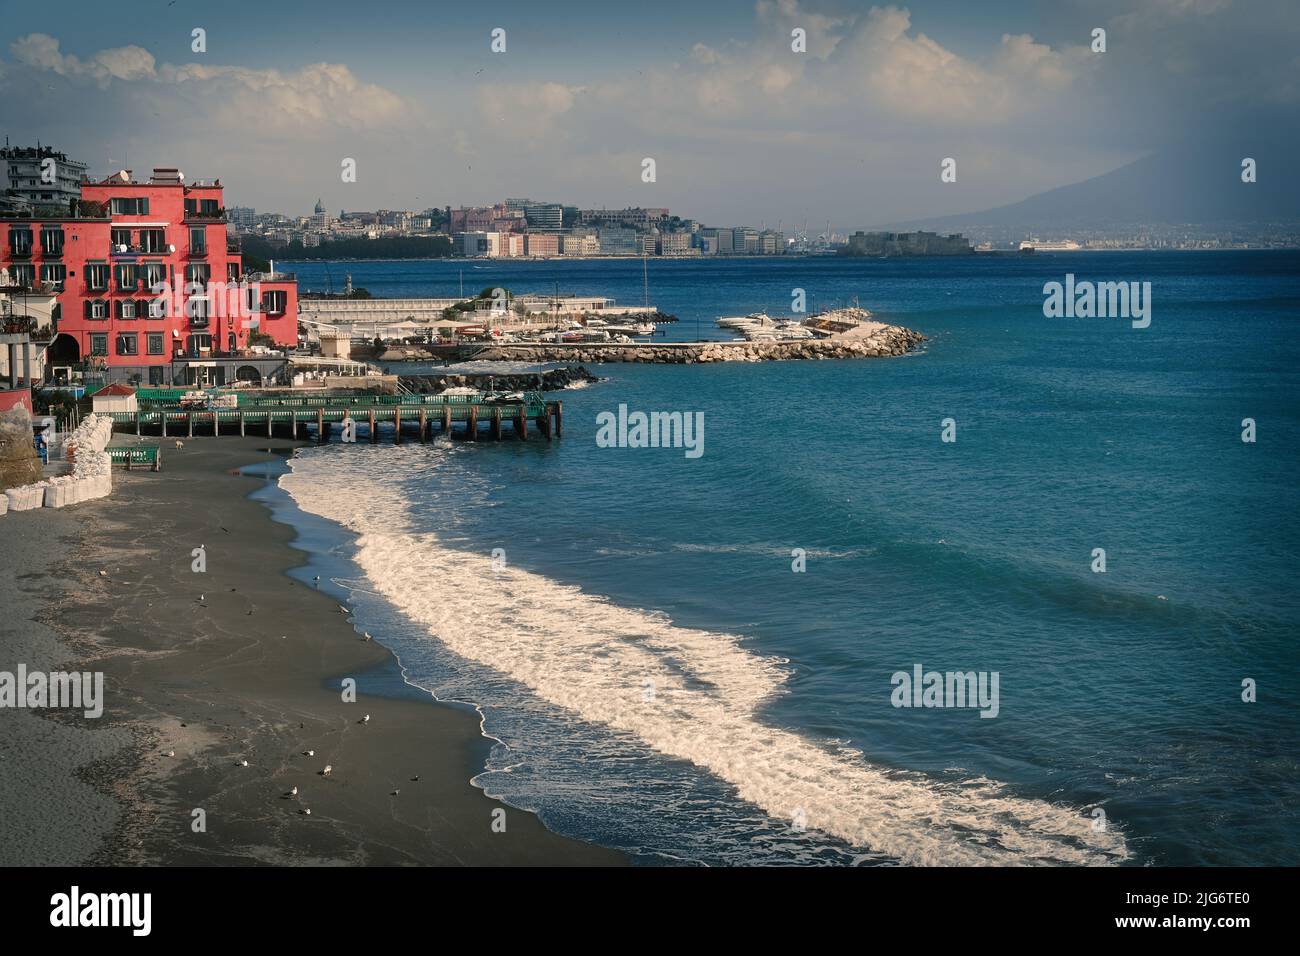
x=258 y=100
x=41 y=51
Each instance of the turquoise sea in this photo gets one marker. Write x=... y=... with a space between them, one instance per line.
x=661 y=680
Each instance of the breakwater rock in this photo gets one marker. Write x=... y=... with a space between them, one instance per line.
x=889 y=340
x=546 y=380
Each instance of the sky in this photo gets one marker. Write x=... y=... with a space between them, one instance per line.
x=743 y=130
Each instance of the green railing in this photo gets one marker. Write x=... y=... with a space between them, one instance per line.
x=169 y=400
x=145 y=455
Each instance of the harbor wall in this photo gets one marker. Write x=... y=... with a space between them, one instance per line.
x=886 y=341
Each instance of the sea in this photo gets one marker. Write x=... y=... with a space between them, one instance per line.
x=697 y=659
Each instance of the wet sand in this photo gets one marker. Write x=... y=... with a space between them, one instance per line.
x=237 y=663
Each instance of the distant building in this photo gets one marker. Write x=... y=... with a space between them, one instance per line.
x=632 y=216
x=618 y=241
x=542 y=216
x=541 y=244
x=40 y=176
x=479 y=244
x=907 y=244
x=243 y=218
x=674 y=244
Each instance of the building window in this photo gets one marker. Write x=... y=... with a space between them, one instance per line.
x=121 y=237
x=97 y=276
x=232 y=272
x=198 y=272
x=275 y=303
x=20 y=241
x=125 y=309
x=200 y=343
x=158 y=308
x=154 y=343
x=126 y=278
x=24 y=275
x=197 y=310
x=199 y=241
x=152 y=241
x=52 y=242
x=132 y=206
x=127 y=344
x=205 y=208
x=99 y=343
x=155 y=374
x=97 y=309
x=55 y=273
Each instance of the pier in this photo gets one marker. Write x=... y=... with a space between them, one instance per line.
x=468 y=417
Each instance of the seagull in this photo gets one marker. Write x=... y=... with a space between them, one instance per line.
x=416 y=778
x=395 y=793
x=171 y=753
x=309 y=753
x=366 y=636
x=103 y=574
x=305 y=811
x=327 y=771
x=344 y=610
x=293 y=792
x=243 y=763
x=365 y=719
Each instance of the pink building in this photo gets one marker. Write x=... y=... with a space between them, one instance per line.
x=123 y=241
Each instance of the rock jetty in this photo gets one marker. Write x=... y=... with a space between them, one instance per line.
x=884 y=341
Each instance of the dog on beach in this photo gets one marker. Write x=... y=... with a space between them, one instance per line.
x=180 y=445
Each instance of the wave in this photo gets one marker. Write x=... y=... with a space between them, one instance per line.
x=689 y=694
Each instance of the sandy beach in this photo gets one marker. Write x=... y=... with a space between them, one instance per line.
x=239 y=663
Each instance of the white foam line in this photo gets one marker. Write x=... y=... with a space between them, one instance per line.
x=582 y=653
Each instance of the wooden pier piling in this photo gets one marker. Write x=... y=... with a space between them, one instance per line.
x=472 y=433
x=189 y=416
x=374 y=437
x=397 y=425
x=424 y=424
x=559 y=419
x=496 y=423
x=241 y=423
x=521 y=424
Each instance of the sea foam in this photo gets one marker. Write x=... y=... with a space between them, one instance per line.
x=689 y=694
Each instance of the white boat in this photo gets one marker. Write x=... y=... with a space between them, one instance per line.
x=753 y=320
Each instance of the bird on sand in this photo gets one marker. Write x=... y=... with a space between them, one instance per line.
x=327 y=771
x=309 y=753
x=365 y=719
x=243 y=763
x=293 y=792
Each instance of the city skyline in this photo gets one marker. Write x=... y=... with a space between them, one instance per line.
x=741 y=128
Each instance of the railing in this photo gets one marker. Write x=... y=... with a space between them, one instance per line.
x=131 y=457
x=534 y=401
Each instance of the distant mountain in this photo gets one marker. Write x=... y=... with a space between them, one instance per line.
x=1190 y=185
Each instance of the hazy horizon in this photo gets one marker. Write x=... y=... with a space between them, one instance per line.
x=742 y=129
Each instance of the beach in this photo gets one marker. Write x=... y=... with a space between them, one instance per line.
x=237 y=663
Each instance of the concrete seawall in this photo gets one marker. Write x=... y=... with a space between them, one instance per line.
x=884 y=341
